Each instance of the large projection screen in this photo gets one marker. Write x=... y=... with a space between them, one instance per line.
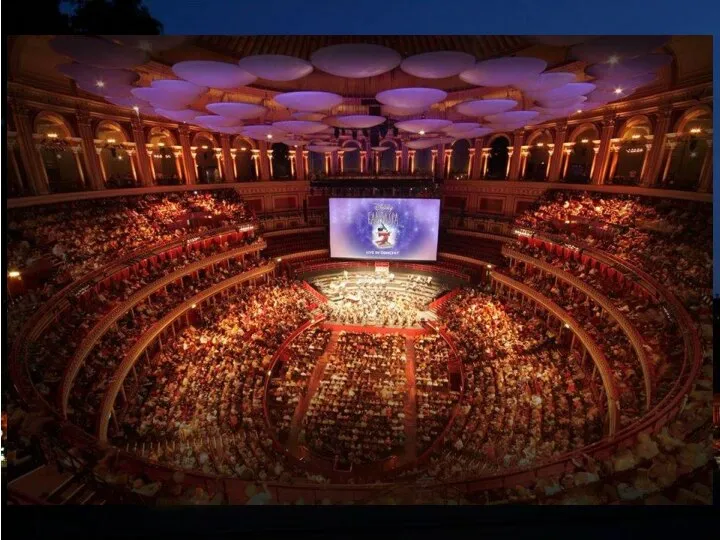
x=384 y=229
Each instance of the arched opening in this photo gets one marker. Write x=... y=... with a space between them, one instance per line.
x=164 y=158
x=580 y=165
x=62 y=166
x=316 y=163
x=460 y=159
x=115 y=161
x=351 y=157
x=208 y=169
x=423 y=161
x=537 y=158
x=387 y=158
x=498 y=160
x=281 y=161
x=244 y=163
x=632 y=150
x=690 y=154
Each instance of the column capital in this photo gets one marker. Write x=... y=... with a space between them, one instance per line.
x=83 y=117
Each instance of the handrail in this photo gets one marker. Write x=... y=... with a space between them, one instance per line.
x=290 y=232
x=590 y=344
x=154 y=331
x=630 y=331
x=86 y=346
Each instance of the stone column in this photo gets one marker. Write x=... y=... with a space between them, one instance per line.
x=404 y=167
x=518 y=139
x=434 y=158
x=22 y=187
x=151 y=161
x=30 y=157
x=485 y=160
x=523 y=163
x=671 y=148
x=604 y=152
x=131 y=153
x=596 y=149
x=102 y=165
x=511 y=151
x=554 y=167
x=300 y=164
x=221 y=166
x=471 y=165
x=706 y=171
x=255 y=157
x=263 y=161
x=447 y=162
x=646 y=160
x=92 y=157
x=227 y=158
x=178 y=164
x=188 y=159
x=411 y=161
x=144 y=165
x=657 y=150
x=305 y=164
x=477 y=154
x=613 y=163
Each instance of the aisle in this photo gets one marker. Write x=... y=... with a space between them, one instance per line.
x=410 y=408
x=313 y=383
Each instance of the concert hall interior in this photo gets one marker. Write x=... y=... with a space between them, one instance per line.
x=358 y=270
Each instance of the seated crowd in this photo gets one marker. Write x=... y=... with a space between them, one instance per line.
x=57 y=244
x=357 y=415
x=199 y=402
x=526 y=400
x=290 y=383
x=435 y=399
x=670 y=241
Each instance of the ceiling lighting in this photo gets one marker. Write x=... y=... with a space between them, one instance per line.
x=111 y=141
x=540 y=144
x=52 y=135
x=120 y=158
x=136 y=109
x=693 y=154
x=636 y=136
x=695 y=130
x=13 y=274
x=193 y=306
x=161 y=144
x=269 y=135
x=618 y=90
x=584 y=141
x=614 y=59
x=422 y=132
x=579 y=111
x=243 y=149
x=100 y=84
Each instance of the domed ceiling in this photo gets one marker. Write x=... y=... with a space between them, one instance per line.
x=300 y=87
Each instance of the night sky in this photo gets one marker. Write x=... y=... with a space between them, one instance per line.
x=449 y=17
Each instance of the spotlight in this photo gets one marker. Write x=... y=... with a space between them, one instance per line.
x=136 y=109
x=614 y=59
x=13 y=274
x=618 y=90
x=578 y=111
x=422 y=132
x=100 y=84
x=269 y=135
x=52 y=135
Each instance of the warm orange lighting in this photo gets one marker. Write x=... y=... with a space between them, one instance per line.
x=204 y=147
x=243 y=149
x=111 y=141
x=136 y=108
x=567 y=325
x=696 y=130
x=52 y=135
x=269 y=135
x=278 y=259
x=540 y=144
x=193 y=306
x=579 y=111
x=636 y=136
x=584 y=141
x=489 y=265
x=13 y=274
x=161 y=144
x=422 y=132
x=567 y=222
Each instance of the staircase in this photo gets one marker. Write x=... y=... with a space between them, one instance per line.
x=48 y=485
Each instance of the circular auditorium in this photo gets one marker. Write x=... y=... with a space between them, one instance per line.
x=358 y=270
